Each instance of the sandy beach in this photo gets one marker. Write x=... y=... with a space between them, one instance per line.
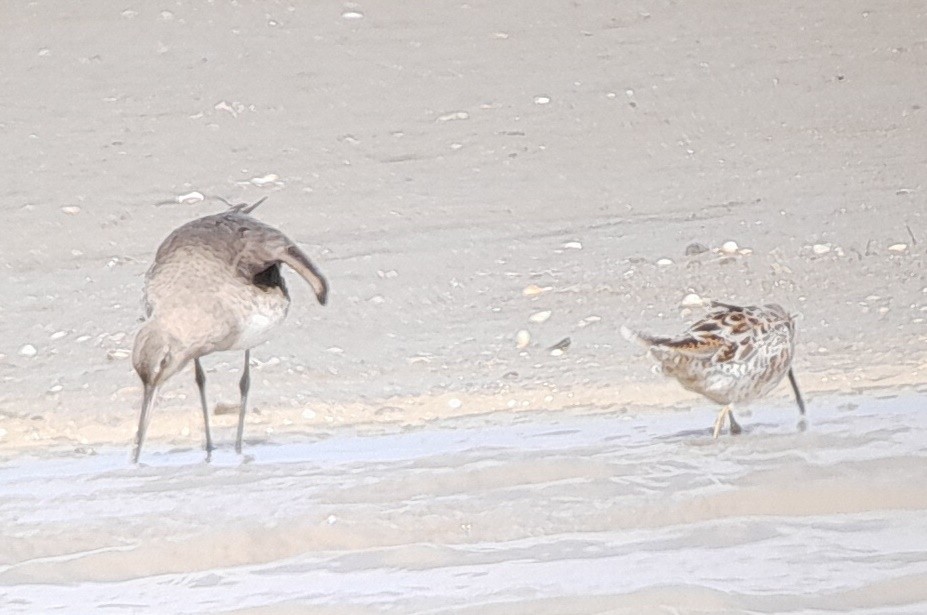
x=458 y=170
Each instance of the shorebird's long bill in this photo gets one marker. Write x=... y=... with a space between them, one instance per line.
x=794 y=383
x=143 y=420
x=295 y=258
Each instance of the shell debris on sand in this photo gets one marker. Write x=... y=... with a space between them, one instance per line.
x=454 y=115
x=539 y=317
x=190 y=197
x=695 y=248
x=692 y=300
x=560 y=347
x=522 y=339
x=729 y=247
x=533 y=290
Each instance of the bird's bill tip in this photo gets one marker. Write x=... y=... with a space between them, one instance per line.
x=144 y=417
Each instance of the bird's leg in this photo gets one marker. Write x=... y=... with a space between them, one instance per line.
x=201 y=384
x=735 y=428
x=719 y=422
x=244 y=385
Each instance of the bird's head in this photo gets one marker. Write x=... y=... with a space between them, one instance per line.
x=156 y=356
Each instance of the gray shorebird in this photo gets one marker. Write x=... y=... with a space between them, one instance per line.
x=215 y=285
x=732 y=356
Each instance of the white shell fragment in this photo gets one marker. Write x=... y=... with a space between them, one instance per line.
x=533 y=290
x=729 y=247
x=573 y=245
x=821 y=248
x=28 y=351
x=454 y=403
x=898 y=248
x=541 y=100
x=692 y=300
x=71 y=210
x=270 y=178
x=456 y=115
x=664 y=262
x=522 y=339
x=352 y=15
x=539 y=317
x=191 y=197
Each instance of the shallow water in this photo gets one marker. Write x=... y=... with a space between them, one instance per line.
x=535 y=513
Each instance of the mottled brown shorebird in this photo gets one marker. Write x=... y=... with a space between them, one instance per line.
x=732 y=356
x=215 y=284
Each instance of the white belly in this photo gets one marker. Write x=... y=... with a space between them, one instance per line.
x=258 y=327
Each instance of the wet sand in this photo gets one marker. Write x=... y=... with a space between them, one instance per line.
x=544 y=513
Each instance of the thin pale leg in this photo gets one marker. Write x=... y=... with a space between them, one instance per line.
x=244 y=385
x=201 y=384
x=719 y=422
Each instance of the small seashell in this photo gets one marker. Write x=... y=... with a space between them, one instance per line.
x=55 y=388
x=71 y=209
x=541 y=100
x=898 y=248
x=664 y=262
x=454 y=403
x=821 y=248
x=28 y=351
x=57 y=335
x=561 y=345
x=556 y=352
x=456 y=115
x=352 y=15
x=270 y=178
x=539 y=317
x=729 y=247
x=309 y=414
x=191 y=197
x=696 y=248
x=692 y=300
x=522 y=339
x=573 y=245
x=533 y=290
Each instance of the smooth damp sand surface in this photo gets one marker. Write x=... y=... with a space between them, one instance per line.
x=535 y=512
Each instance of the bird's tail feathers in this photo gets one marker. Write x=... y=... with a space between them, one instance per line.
x=637 y=337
